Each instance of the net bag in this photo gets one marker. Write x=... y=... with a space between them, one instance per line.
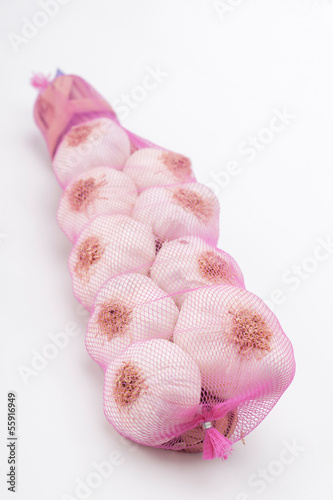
x=193 y=361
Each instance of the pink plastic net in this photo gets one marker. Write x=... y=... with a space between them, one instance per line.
x=193 y=361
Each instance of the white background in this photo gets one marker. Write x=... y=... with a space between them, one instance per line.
x=224 y=75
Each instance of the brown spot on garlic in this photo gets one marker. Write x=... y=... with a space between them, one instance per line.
x=79 y=135
x=214 y=268
x=113 y=318
x=128 y=384
x=178 y=164
x=194 y=203
x=250 y=333
x=83 y=193
x=88 y=253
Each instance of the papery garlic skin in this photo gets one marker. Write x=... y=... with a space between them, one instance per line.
x=95 y=143
x=190 y=262
x=173 y=212
x=98 y=191
x=109 y=245
x=229 y=363
x=164 y=391
x=150 y=167
x=128 y=309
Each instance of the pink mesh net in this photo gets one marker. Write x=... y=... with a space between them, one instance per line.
x=193 y=361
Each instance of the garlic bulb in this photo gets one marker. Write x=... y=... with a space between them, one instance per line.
x=234 y=339
x=95 y=143
x=127 y=309
x=150 y=389
x=173 y=212
x=100 y=190
x=189 y=263
x=108 y=246
x=154 y=167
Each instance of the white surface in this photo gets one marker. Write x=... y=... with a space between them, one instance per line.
x=225 y=76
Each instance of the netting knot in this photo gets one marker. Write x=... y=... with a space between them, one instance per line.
x=40 y=81
x=215 y=444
